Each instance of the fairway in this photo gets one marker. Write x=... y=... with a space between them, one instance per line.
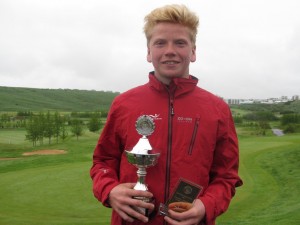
x=50 y=195
x=270 y=169
x=12 y=136
x=57 y=189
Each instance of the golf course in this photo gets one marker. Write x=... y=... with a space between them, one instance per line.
x=56 y=188
x=49 y=183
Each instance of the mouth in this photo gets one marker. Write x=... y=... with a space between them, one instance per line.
x=170 y=62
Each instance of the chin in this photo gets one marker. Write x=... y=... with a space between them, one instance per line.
x=170 y=76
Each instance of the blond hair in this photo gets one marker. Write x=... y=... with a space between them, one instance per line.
x=173 y=14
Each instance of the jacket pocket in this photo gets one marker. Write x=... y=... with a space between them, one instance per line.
x=192 y=142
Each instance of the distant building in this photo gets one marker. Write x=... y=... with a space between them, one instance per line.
x=282 y=99
x=269 y=101
x=232 y=101
x=246 y=101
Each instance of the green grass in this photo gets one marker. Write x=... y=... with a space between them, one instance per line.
x=240 y=112
x=53 y=189
x=12 y=136
x=270 y=195
x=57 y=189
x=13 y=99
x=50 y=195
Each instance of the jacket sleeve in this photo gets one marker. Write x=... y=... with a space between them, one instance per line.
x=224 y=170
x=106 y=159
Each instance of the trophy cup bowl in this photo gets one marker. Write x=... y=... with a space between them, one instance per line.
x=142 y=160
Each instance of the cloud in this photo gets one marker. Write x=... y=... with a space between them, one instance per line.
x=244 y=49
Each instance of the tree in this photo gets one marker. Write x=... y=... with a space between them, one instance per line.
x=290 y=119
x=40 y=126
x=64 y=131
x=32 y=133
x=76 y=127
x=49 y=131
x=238 y=119
x=260 y=116
x=57 y=124
x=264 y=126
x=291 y=122
x=95 y=122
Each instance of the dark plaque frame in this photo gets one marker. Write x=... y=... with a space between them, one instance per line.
x=185 y=191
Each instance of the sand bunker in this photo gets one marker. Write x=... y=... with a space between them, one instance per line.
x=45 y=152
x=8 y=158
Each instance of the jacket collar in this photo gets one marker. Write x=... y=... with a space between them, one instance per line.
x=181 y=85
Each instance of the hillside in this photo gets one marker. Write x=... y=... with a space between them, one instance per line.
x=14 y=99
x=282 y=108
x=33 y=99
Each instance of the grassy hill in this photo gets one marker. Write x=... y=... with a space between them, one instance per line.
x=282 y=108
x=33 y=99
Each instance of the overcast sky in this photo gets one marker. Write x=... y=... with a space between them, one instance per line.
x=245 y=48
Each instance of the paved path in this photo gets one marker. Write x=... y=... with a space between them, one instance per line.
x=278 y=132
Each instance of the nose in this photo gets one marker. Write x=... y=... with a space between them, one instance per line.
x=170 y=49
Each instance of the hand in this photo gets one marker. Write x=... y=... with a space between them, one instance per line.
x=192 y=216
x=121 y=200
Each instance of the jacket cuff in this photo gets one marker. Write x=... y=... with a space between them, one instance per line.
x=105 y=200
x=103 y=196
x=210 y=208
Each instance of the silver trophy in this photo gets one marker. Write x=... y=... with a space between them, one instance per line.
x=140 y=156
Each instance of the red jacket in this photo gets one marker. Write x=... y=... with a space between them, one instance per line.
x=195 y=133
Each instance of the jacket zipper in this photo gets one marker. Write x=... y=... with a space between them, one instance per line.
x=194 y=136
x=169 y=150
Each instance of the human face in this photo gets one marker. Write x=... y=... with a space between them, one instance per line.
x=170 y=50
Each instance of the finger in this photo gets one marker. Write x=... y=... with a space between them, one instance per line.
x=130 y=214
x=139 y=193
x=136 y=213
x=180 y=216
x=122 y=211
x=187 y=217
x=126 y=217
x=142 y=204
x=180 y=206
x=137 y=209
x=173 y=221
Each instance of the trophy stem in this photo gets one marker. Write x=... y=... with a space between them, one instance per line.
x=141 y=183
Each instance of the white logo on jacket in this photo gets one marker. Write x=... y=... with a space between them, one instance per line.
x=155 y=116
x=184 y=119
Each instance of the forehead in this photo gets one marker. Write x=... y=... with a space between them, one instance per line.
x=170 y=30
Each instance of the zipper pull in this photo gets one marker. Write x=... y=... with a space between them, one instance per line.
x=172 y=108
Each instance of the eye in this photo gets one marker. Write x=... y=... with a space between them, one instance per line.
x=159 y=43
x=181 y=43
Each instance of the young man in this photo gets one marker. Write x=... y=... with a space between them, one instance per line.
x=194 y=131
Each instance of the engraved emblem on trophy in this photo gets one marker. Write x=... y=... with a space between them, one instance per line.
x=141 y=155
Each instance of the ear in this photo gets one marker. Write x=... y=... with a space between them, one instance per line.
x=193 y=55
x=149 y=57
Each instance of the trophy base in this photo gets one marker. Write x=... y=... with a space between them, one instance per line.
x=141 y=210
x=163 y=210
